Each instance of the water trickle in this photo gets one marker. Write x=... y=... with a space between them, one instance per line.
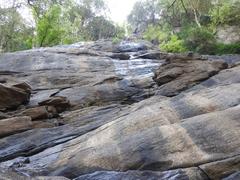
x=136 y=67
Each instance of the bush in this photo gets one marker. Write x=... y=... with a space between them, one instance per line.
x=174 y=45
x=227 y=13
x=200 y=40
x=228 y=48
x=116 y=40
x=156 y=34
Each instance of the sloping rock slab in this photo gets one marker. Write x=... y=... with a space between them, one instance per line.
x=11 y=175
x=194 y=141
x=146 y=114
x=36 y=140
x=191 y=173
x=222 y=168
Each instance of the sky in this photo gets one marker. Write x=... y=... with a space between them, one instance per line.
x=120 y=9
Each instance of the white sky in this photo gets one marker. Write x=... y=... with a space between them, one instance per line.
x=120 y=9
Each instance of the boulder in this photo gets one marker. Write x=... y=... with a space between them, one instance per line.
x=24 y=86
x=60 y=103
x=42 y=112
x=12 y=97
x=178 y=75
x=15 y=125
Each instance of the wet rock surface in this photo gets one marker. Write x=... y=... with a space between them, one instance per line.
x=99 y=110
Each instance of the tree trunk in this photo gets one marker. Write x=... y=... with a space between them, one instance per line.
x=196 y=18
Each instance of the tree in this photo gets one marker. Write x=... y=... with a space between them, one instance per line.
x=15 y=34
x=226 y=13
x=66 y=21
x=101 y=28
x=174 y=12
x=143 y=14
x=49 y=30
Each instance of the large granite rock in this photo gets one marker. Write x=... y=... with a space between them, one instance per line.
x=101 y=117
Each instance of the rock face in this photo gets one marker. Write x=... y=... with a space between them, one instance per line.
x=192 y=173
x=178 y=75
x=96 y=114
x=228 y=34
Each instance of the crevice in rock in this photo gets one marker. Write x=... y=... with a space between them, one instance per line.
x=10 y=72
x=35 y=150
x=50 y=144
x=207 y=162
x=61 y=89
x=205 y=173
x=109 y=80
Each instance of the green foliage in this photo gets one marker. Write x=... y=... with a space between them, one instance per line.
x=226 y=13
x=227 y=48
x=200 y=40
x=71 y=21
x=116 y=40
x=14 y=33
x=119 y=34
x=174 y=45
x=143 y=14
x=99 y=28
x=162 y=36
x=49 y=30
x=156 y=34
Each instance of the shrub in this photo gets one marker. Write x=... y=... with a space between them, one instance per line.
x=116 y=40
x=174 y=45
x=200 y=40
x=156 y=34
x=228 y=48
x=226 y=13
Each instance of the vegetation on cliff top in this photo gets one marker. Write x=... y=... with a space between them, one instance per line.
x=186 y=25
x=174 y=25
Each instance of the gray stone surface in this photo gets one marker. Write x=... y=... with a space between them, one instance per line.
x=180 y=174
